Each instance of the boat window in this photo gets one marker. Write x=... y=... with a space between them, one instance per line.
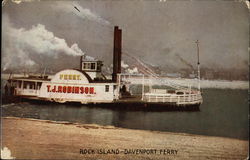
x=92 y=65
x=39 y=84
x=25 y=84
x=171 y=91
x=85 y=65
x=106 y=88
x=89 y=66
x=179 y=93
x=32 y=85
x=19 y=84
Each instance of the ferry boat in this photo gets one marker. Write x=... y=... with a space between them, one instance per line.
x=87 y=85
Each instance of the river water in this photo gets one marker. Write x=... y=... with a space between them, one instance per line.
x=224 y=112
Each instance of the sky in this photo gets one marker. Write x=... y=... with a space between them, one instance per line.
x=162 y=33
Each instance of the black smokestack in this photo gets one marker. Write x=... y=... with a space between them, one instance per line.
x=119 y=50
x=117 y=53
x=81 y=62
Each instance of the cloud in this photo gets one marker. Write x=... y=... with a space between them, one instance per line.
x=247 y=3
x=21 y=44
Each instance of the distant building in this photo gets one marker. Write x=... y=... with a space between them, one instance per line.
x=209 y=74
x=192 y=75
x=174 y=75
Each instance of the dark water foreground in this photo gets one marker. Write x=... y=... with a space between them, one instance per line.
x=224 y=112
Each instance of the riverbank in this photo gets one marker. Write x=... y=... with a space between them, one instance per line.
x=42 y=139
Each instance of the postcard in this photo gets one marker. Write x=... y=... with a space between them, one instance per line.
x=132 y=79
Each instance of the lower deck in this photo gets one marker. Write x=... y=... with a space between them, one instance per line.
x=134 y=103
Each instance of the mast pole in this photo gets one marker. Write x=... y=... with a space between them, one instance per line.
x=44 y=71
x=198 y=65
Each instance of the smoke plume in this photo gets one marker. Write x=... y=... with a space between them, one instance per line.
x=23 y=47
x=185 y=62
x=132 y=71
x=124 y=65
x=84 y=13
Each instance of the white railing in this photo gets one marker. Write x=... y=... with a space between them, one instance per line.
x=188 y=96
x=173 y=98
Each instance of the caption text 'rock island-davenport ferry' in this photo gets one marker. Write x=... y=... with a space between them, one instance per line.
x=88 y=85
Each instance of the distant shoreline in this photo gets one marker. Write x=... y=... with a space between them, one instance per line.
x=219 y=84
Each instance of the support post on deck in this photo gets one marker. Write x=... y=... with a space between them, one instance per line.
x=142 y=92
x=189 y=93
x=198 y=65
x=119 y=84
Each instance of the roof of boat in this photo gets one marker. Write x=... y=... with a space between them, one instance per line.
x=32 y=79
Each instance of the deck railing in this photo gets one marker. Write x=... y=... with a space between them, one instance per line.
x=173 y=98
